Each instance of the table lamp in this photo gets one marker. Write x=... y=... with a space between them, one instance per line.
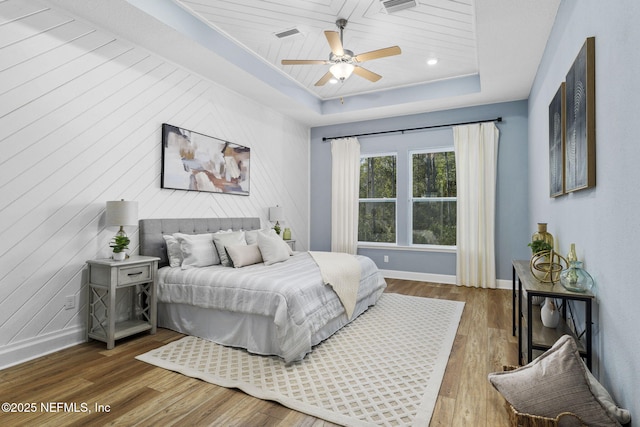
x=121 y=213
x=276 y=214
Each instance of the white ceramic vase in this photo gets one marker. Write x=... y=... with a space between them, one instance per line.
x=119 y=256
x=549 y=314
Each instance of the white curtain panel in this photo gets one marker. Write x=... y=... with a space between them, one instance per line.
x=476 y=148
x=345 y=184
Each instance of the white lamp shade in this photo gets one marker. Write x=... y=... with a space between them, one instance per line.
x=122 y=212
x=276 y=214
x=342 y=70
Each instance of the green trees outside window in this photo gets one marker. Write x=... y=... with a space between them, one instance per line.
x=377 y=207
x=433 y=201
x=431 y=184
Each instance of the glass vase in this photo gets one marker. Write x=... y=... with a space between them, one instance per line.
x=575 y=278
x=571 y=256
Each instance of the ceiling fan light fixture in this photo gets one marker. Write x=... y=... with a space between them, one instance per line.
x=341 y=70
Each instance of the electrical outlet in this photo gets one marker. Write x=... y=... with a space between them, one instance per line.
x=70 y=302
x=386 y=258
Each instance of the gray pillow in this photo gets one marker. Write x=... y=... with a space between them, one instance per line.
x=556 y=382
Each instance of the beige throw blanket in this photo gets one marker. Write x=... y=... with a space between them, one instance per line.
x=342 y=272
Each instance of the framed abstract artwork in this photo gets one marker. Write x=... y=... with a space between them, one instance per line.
x=580 y=133
x=556 y=142
x=197 y=162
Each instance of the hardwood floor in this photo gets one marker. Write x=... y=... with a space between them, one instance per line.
x=119 y=390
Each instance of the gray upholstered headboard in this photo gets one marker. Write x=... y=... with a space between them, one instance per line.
x=151 y=231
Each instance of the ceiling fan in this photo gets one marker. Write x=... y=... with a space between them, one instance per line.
x=343 y=61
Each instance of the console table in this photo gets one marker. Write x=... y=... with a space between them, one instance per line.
x=538 y=337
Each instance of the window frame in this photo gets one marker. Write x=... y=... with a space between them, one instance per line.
x=381 y=200
x=411 y=199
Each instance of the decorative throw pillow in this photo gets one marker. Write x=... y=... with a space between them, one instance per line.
x=251 y=236
x=602 y=395
x=273 y=249
x=555 y=382
x=197 y=250
x=174 y=254
x=243 y=255
x=222 y=240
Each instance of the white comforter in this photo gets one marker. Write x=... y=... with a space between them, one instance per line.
x=292 y=293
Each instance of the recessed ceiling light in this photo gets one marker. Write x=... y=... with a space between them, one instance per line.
x=432 y=61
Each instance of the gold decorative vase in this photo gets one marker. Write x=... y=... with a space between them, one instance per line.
x=543 y=234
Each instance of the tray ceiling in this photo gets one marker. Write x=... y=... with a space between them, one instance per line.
x=441 y=29
x=488 y=51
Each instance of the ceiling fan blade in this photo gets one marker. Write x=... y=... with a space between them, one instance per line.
x=324 y=79
x=334 y=41
x=369 y=75
x=380 y=53
x=303 y=61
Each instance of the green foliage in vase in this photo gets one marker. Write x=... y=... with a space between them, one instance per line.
x=119 y=244
x=539 y=245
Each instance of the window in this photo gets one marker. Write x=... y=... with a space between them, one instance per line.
x=377 y=207
x=433 y=198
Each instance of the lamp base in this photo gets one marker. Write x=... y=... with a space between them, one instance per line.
x=120 y=241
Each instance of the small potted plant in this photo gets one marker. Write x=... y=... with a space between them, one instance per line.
x=538 y=246
x=119 y=244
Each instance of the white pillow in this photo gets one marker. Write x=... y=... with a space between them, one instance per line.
x=197 y=250
x=252 y=236
x=222 y=240
x=242 y=255
x=273 y=249
x=174 y=254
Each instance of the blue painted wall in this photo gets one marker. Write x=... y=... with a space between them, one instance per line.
x=603 y=221
x=512 y=229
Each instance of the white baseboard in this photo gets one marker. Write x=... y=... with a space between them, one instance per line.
x=20 y=352
x=435 y=278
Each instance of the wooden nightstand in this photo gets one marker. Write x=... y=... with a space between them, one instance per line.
x=137 y=275
x=292 y=244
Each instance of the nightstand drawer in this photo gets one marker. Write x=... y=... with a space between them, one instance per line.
x=134 y=274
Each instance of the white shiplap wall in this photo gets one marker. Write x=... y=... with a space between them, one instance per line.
x=80 y=124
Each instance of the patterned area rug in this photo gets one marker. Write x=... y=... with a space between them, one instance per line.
x=384 y=368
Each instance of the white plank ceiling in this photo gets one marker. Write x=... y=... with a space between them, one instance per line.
x=441 y=29
x=488 y=50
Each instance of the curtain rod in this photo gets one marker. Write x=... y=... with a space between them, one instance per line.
x=497 y=119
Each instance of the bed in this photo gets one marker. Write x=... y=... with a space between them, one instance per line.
x=282 y=309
